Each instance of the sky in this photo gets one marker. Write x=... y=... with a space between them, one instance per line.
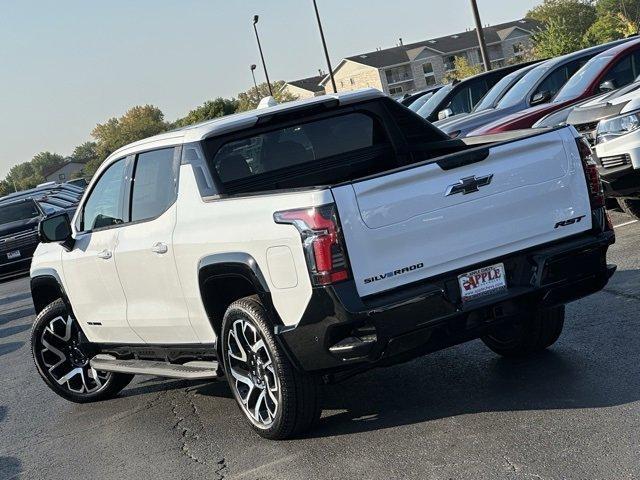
x=70 y=64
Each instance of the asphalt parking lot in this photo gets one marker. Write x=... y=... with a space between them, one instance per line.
x=572 y=412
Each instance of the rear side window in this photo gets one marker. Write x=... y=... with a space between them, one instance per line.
x=312 y=153
x=154 y=184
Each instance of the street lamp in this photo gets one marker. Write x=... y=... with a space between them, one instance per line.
x=264 y=65
x=253 y=74
x=481 y=42
x=324 y=46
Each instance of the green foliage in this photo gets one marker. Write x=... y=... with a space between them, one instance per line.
x=607 y=28
x=207 y=111
x=249 y=100
x=629 y=9
x=29 y=174
x=138 y=123
x=556 y=39
x=576 y=16
x=462 y=69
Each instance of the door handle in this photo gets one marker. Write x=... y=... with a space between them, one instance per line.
x=160 y=248
x=105 y=254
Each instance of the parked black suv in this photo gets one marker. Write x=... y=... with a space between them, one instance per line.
x=18 y=234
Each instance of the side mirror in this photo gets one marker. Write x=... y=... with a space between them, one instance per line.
x=446 y=113
x=541 y=97
x=56 y=229
x=607 y=86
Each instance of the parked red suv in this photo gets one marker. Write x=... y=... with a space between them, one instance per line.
x=612 y=69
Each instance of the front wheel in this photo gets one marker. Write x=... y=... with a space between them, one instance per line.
x=278 y=400
x=528 y=334
x=62 y=360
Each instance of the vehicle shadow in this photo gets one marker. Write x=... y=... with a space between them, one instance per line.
x=6 y=348
x=594 y=365
x=7 y=317
x=15 y=298
x=9 y=331
x=10 y=467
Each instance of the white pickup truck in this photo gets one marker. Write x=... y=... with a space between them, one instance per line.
x=309 y=241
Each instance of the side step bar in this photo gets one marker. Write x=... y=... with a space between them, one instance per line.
x=190 y=371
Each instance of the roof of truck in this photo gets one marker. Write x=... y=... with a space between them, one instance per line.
x=238 y=121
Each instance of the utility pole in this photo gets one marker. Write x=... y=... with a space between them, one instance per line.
x=481 y=42
x=264 y=65
x=253 y=74
x=324 y=46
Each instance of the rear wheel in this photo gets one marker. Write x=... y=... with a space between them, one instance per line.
x=630 y=206
x=278 y=400
x=526 y=335
x=62 y=359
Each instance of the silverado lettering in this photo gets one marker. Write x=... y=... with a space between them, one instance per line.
x=401 y=271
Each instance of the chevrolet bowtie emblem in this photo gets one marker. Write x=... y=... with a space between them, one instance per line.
x=468 y=185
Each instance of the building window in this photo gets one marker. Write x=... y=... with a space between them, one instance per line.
x=399 y=74
x=518 y=49
x=62 y=177
x=429 y=76
x=450 y=63
x=395 y=90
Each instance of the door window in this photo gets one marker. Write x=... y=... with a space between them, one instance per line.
x=553 y=83
x=154 y=184
x=460 y=102
x=621 y=73
x=103 y=208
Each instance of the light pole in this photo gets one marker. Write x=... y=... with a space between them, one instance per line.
x=264 y=65
x=324 y=46
x=481 y=42
x=253 y=74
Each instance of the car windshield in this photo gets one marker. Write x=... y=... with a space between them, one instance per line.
x=584 y=77
x=523 y=86
x=499 y=89
x=430 y=105
x=14 y=212
x=415 y=106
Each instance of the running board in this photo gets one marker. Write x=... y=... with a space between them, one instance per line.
x=191 y=370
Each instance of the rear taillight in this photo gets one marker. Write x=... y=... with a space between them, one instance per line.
x=596 y=193
x=321 y=240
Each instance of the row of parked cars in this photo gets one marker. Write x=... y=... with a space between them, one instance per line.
x=20 y=214
x=597 y=90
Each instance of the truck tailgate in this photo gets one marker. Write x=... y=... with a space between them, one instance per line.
x=415 y=223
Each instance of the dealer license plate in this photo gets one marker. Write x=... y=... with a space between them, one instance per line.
x=13 y=255
x=482 y=282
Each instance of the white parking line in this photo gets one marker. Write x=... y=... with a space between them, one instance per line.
x=625 y=224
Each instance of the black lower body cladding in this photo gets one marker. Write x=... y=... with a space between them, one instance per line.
x=341 y=331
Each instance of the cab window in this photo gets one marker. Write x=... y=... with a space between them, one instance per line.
x=154 y=184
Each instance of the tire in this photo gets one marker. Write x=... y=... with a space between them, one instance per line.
x=630 y=206
x=56 y=353
x=259 y=372
x=528 y=335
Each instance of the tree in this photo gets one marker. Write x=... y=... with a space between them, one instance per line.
x=29 y=174
x=556 y=39
x=629 y=9
x=462 y=69
x=249 y=100
x=138 y=123
x=211 y=109
x=578 y=16
x=607 y=28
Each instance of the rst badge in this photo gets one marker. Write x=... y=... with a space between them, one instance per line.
x=571 y=221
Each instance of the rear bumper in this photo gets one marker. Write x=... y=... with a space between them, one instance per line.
x=621 y=182
x=405 y=323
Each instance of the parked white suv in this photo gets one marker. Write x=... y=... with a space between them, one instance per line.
x=308 y=241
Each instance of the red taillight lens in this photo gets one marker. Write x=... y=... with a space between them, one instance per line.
x=321 y=240
x=596 y=193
